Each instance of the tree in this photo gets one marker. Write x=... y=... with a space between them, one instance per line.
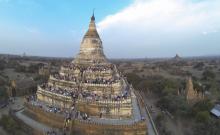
x=174 y=104
x=9 y=125
x=133 y=79
x=209 y=128
x=20 y=68
x=2 y=65
x=199 y=66
x=203 y=105
x=3 y=93
x=33 y=68
x=203 y=116
x=208 y=74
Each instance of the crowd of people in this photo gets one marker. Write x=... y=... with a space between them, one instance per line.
x=69 y=77
x=95 y=97
x=75 y=93
x=31 y=98
x=99 y=68
x=69 y=114
x=96 y=68
x=66 y=77
x=58 y=90
x=89 y=69
x=100 y=81
x=51 y=132
x=71 y=66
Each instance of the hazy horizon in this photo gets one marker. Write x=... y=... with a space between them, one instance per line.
x=128 y=28
x=69 y=57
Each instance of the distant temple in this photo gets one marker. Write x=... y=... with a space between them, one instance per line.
x=88 y=95
x=192 y=95
x=177 y=57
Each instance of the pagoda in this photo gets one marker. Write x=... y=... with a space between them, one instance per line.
x=192 y=95
x=90 y=88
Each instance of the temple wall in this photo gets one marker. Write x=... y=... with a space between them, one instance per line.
x=114 y=88
x=52 y=100
x=62 y=83
x=81 y=127
x=89 y=75
x=108 y=109
x=100 y=89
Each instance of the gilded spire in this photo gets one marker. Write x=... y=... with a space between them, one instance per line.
x=93 y=16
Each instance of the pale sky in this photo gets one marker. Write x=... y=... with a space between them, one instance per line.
x=128 y=28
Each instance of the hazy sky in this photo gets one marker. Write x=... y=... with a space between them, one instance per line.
x=128 y=28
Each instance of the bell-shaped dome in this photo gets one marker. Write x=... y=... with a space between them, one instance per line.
x=91 y=50
x=92 y=32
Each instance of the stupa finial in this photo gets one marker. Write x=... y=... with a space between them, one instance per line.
x=93 y=15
